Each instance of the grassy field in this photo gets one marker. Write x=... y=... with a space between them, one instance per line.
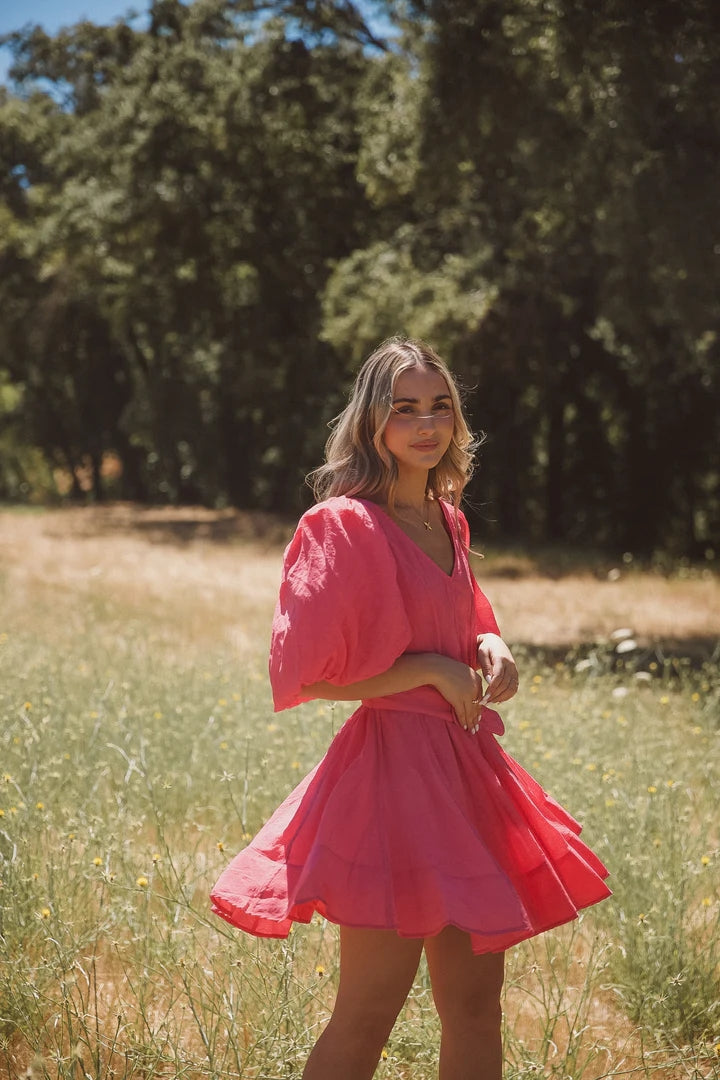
x=138 y=751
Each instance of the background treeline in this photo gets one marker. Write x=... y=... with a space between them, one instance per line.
x=207 y=222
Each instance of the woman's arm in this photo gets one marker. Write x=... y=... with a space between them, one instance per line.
x=459 y=684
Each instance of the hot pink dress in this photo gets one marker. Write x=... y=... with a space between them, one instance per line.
x=409 y=822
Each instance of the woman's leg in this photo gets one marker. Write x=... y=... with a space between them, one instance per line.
x=466 y=989
x=377 y=968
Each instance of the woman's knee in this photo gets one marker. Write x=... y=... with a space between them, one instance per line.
x=467 y=989
x=367 y=1025
x=470 y=1012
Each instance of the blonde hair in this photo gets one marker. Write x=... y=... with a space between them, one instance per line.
x=357 y=462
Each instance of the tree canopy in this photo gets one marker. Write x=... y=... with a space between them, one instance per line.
x=208 y=223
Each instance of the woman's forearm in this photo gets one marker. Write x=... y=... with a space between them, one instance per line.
x=408 y=672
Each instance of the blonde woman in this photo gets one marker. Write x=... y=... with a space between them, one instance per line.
x=415 y=831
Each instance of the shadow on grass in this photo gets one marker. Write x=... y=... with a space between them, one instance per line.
x=653 y=658
x=171 y=524
x=183 y=525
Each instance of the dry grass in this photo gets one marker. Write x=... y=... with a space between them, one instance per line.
x=230 y=562
x=579 y=608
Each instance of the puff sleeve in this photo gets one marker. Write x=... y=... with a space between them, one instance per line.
x=485 y=621
x=340 y=615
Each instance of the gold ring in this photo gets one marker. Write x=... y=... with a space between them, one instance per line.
x=475 y=701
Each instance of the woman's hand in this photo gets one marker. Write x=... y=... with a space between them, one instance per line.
x=461 y=686
x=498 y=667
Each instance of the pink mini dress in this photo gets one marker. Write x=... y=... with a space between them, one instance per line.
x=409 y=822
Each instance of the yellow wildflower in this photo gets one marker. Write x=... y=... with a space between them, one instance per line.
x=384 y=1054
x=695 y=697
x=2 y=813
x=272 y=727
x=39 y=805
x=142 y=883
x=706 y=901
x=642 y=917
x=705 y=860
x=97 y=861
x=295 y=765
x=27 y=706
x=220 y=845
x=609 y=803
x=157 y=715
x=7 y=778
x=652 y=789
x=537 y=679
x=664 y=700
x=156 y=857
x=591 y=767
x=319 y=969
x=45 y=913
x=222 y=701
x=223 y=746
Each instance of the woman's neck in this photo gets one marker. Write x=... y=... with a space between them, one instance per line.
x=412 y=491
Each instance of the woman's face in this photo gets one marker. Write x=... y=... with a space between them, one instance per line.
x=422 y=421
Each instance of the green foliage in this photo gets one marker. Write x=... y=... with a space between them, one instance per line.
x=208 y=223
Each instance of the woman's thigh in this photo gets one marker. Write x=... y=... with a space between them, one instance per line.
x=377 y=969
x=466 y=988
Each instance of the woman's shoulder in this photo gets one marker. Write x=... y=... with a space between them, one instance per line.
x=339 y=534
x=339 y=512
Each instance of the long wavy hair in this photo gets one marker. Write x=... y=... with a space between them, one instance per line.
x=357 y=462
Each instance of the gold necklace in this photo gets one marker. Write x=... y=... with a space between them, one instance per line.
x=424 y=517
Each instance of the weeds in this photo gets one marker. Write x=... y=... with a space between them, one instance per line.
x=135 y=760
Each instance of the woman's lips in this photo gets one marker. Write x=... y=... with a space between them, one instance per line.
x=425 y=446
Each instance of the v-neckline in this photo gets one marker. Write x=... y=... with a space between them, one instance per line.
x=446 y=525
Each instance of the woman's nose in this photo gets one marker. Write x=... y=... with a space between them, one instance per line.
x=426 y=423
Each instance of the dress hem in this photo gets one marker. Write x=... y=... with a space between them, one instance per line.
x=510 y=937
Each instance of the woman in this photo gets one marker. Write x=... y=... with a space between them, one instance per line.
x=415 y=830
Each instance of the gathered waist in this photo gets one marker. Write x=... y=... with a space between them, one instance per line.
x=430 y=702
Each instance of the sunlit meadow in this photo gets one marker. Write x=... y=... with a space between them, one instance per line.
x=139 y=751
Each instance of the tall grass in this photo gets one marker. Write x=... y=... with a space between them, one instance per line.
x=135 y=758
